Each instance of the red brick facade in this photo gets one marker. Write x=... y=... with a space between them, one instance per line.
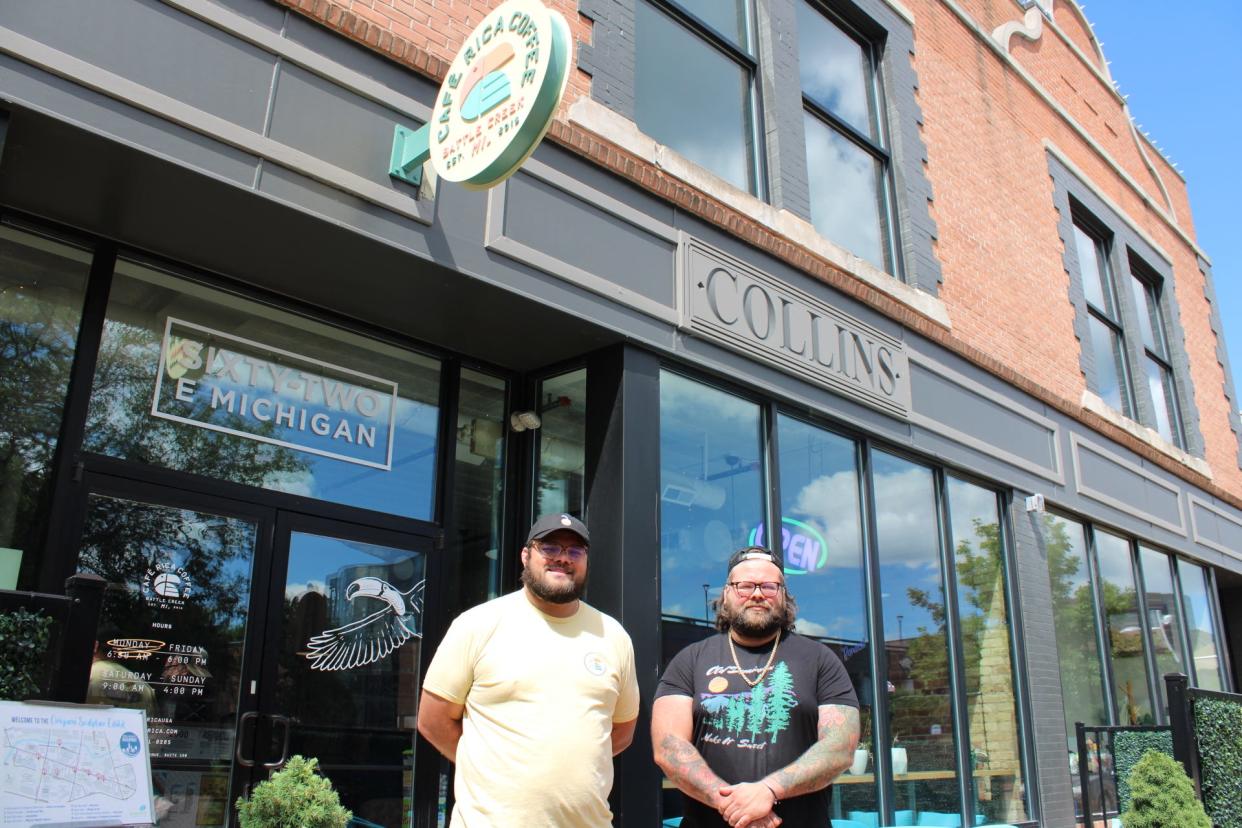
x=987 y=128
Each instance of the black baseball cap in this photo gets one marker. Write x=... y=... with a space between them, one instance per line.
x=548 y=524
x=752 y=553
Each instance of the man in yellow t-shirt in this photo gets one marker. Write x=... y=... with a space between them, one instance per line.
x=532 y=694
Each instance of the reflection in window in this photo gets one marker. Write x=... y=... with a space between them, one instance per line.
x=1162 y=617
x=1111 y=377
x=202 y=381
x=42 y=285
x=179 y=581
x=1200 y=625
x=912 y=591
x=847 y=163
x=991 y=704
x=822 y=545
x=562 y=445
x=692 y=93
x=1124 y=630
x=711 y=491
x=711 y=504
x=478 y=485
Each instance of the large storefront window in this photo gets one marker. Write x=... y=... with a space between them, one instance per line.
x=198 y=380
x=991 y=703
x=822 y=542
x=1201 y=625
x=561 y=485
x=711 y=494
x=42 y=285
x=1163 y=619
x=920 y=723
x=1124 y=631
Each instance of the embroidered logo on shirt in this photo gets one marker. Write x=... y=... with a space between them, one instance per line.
x=595 y=664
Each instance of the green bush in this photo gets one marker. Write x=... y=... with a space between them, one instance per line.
x=1162 y=796
x=1218 y=731
x=1128 y=749
x=24 y=637
x=295 y=797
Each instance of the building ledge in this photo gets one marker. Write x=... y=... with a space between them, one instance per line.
x=1095 y=404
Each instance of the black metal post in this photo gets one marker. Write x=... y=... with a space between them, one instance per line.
x=1084 y=777
x=77 y=647
x=1182 y=722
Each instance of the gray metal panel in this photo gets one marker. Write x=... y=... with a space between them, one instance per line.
x=1215 y=528
x=948 y=403
x=576 y=232
x=28 y=86
x=268 y=15
x=336 y=125
x=1104 y=475
x=157 y=47
x=1042 y=667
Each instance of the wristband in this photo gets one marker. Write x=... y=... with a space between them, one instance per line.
x=776 y=800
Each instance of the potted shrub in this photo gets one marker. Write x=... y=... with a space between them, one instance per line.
x=1161 y=796
x=296 y=796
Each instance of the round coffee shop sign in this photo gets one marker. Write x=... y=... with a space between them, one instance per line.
x=498 y=99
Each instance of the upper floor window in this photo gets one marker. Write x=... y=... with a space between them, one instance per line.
x=848 y=166
x=694 y=83
x=1112 y=374
x=1157 y=359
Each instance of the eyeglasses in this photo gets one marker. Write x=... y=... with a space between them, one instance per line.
x=746 y=589
x=550 y=551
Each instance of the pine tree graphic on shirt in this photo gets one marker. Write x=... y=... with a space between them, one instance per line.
x=762 y=710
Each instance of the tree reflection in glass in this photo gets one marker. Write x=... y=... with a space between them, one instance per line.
x=991 y=705
x=1124 y=630
x=912 y=589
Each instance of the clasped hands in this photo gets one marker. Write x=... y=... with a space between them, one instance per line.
x=748 y=805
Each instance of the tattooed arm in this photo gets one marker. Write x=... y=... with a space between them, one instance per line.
x=672 y=727
x=823 y=761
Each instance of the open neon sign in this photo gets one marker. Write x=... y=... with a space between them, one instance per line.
x=803 y=547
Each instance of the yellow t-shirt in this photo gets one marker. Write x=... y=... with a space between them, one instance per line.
x=541 y=695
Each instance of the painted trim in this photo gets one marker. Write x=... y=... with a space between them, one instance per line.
x=313 y=62
x=135 y=95
x=1078 y=128
x=1094 y=403
x=1078 y=443
x=494 y=238
x=1054 y=474
x=1220 y=513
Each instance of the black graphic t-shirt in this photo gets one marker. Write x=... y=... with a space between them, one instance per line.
x=745 y=733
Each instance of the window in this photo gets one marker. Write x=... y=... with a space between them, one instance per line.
x=1201 y=627
x=1112 y=376
x=1126 y=641
x=847 y=163
x=561 y=475
x=1156 y=356
x=1163 y=619
x=694 y=79
x=42 y=287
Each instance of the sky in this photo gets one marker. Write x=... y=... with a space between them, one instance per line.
x=1180 y=66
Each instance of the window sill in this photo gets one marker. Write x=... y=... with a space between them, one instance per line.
x=595 y=117
x=1095 y=404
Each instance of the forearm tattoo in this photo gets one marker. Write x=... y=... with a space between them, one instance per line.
x=686 y=767
x=827 y=758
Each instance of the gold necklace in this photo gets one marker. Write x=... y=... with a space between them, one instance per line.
x=766 y=667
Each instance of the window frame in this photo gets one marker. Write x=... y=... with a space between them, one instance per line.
x=1114 y=321
x=747 y=59
x=877 y=146
x=1153 y=288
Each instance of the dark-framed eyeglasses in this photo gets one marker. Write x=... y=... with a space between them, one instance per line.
x=551 y=551
x=746 y=589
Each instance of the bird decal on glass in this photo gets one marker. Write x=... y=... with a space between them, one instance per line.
x=369 y=639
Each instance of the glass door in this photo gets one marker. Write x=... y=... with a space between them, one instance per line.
x=177 y=633
x=342 y=674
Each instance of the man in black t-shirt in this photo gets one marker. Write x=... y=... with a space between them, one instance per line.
x=754 y=724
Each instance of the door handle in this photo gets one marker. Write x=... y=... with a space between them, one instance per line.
x=284 y=746
x=252 y=715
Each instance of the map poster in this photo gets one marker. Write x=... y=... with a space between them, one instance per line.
x=73 y=766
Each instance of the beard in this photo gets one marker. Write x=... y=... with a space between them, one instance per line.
x=558 y=593
x=756 y=624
